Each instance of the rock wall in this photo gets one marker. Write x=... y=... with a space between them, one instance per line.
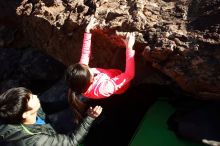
x=181 y=38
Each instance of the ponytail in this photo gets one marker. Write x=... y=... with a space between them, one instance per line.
x=78 y=79
x=76 y=105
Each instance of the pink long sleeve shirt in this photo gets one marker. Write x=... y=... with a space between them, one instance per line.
x=107 y=81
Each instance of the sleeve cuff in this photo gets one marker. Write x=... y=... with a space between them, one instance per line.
x=89 y=119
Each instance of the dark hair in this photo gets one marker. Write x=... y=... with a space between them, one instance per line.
x=77 y=77
x=13 y=103
x=77 y=106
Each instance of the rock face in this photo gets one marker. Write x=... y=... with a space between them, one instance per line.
x=29 y=68
x=181 y=38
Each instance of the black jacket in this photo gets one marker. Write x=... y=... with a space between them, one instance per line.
x=42 y=135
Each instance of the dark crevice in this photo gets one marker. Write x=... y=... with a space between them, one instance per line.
x=123 y=113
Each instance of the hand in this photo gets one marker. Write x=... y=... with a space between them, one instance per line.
x=211 y=142
x=94 y=112
x=91 y=24
x=129 y=40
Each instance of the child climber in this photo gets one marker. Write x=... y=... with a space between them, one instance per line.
x=96 y=83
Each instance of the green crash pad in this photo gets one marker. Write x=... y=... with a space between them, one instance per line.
x=153 y=129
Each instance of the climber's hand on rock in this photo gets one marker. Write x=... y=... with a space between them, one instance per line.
x=129 y=40
x=92 y=23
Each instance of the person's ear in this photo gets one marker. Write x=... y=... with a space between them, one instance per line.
x=25 y=114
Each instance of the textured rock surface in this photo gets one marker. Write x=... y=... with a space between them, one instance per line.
x=179 y=38
x=11 y=35
x=29 y=68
